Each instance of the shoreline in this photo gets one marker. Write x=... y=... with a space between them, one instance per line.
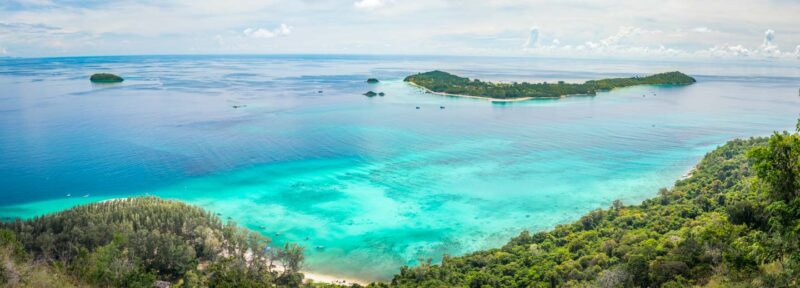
x=470 y=96
x=490 y=99
x=331 y=279
x=689 y=173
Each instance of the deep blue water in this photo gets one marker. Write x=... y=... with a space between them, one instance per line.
x=374 y=180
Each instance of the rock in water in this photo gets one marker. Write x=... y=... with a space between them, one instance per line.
x=370 y=94
x=372 y=80
x=105 y=78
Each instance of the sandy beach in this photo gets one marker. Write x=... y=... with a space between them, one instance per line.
x=490 y=98
x=323 y=278
x=476 y=97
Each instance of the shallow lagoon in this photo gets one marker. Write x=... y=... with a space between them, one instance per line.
x=373 y=180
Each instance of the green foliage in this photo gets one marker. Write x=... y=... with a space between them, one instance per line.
x=733 y=223
x=17 y=269
x=777 y=165
x=133 y=242
x=443 y=82
x=105 y=78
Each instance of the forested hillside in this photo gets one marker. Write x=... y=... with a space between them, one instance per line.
x=137 y=241
x=733 y=223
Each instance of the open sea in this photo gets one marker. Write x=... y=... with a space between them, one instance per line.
x=367 y=185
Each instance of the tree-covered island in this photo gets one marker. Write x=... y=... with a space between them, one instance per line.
x=449 y=84
x=105 y=78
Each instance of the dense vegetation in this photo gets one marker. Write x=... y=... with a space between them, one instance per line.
x=136 y=242
x=443 y=82
x=734 y=223
x=105 y=78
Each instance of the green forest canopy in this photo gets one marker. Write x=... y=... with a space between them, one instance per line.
x=134 y=242
x=443 y=82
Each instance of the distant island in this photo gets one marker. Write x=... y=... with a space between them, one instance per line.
x=444 y=83
x=105 y=78
x=373 y=94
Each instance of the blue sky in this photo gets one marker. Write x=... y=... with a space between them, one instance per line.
x=625 y=29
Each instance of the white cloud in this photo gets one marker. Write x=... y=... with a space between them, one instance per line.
x=637 y=42
x=768 y=47
x=619 y=43
x=624 y=33
x=56 y=27
x=702 y=30
x=262 y=33
x=726 y=50
x=284 y=29
x=533 y=38
x=369 y=4
x=769 y=35
x=258 y=33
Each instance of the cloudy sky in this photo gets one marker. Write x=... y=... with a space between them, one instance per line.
x=733 y=29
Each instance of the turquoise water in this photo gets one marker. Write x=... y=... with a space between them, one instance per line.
x=375 y=181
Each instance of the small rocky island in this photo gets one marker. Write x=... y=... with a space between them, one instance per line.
x=372 y=81
x=105 y=78
x=444 y=83
x=373 y=94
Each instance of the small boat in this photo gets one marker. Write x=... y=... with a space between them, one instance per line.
x=85 y=196
x=441 y=107
x=417 y=107
x=320 y=247
x=69 y=195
